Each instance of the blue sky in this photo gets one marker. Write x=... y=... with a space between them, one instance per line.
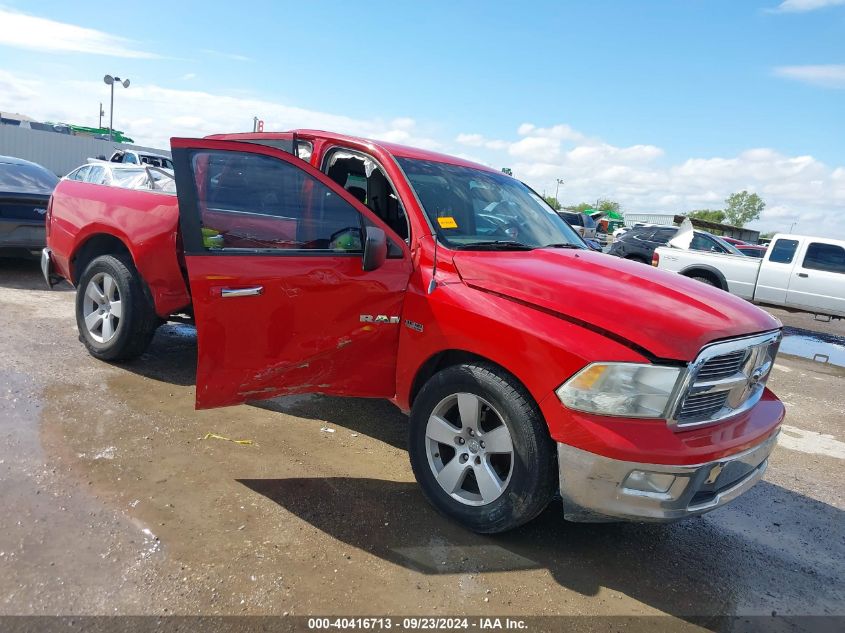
x=664 y=105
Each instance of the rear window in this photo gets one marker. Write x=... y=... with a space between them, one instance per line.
x=574 y=219
x=26 y=179
x=783 y=251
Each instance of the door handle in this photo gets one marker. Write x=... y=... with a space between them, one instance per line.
x=241 y=292
x=803 y=275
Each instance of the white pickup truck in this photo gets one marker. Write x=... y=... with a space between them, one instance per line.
x=805 y=273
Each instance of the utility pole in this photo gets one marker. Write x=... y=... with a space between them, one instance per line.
x=102 y=114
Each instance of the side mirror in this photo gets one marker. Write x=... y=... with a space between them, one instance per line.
x=375 y=248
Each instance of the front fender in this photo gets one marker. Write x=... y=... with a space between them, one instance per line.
x=541 y=350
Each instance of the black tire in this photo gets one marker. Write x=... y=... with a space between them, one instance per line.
x=533 y=478
x=705 y=280
x=138 y=321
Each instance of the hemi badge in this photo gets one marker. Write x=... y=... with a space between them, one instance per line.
x=413 y=325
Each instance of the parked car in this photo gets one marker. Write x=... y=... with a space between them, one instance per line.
x=732 y=240
x=639 y=243
x=581 y=222
x=25 y=190
x=752 y=250
x=797 y=271
x=133 y=157
x=126 y=176
x=528 y=364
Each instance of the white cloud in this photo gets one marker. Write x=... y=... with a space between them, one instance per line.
x=641 y=177
x=20 y=30
x=152 y=114
x=801 y=6
x=189 y=76
x=796 y=188
x=825 y=75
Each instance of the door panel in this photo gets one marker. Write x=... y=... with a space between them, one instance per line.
x=817 y=283
x=776 y=272
x=273 y=252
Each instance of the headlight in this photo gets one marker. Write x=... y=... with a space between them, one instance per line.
x=621 y=389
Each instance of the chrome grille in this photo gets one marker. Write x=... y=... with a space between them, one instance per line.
x=725 y=379
x=722 y=366
x=701 y=406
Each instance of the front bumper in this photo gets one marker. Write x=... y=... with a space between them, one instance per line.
x=596 y=488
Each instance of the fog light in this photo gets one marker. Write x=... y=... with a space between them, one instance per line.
x=643 y=481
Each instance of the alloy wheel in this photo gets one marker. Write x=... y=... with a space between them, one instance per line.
x=469 y=449
x=102 y=308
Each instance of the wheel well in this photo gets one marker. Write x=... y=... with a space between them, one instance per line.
x=448 y=358
x=96 y=245
x=707 y=274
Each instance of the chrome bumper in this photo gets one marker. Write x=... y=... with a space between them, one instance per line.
x=596 y=488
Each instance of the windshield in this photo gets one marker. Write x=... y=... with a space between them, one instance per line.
x=471 y=208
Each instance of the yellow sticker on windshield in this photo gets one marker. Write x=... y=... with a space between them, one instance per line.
x=447 y=222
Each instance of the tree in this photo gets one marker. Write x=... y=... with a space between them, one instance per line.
x=602 y=204
x=743 y=207
x=708 y=215
x=607 y=205
x=552 y=202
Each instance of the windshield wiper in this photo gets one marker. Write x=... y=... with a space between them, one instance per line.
x=503 y=245
x=562 y=245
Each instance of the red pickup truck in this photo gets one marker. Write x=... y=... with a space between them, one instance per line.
x=317 y=262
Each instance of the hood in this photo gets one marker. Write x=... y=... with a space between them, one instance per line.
x=668 y=315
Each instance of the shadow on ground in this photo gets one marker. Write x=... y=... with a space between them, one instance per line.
x=24 y=273
x=732 y=561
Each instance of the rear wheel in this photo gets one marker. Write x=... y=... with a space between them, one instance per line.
x=480 y=449
x=114 y=314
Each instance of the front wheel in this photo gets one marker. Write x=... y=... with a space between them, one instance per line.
x=480 y=449
x=115 y=317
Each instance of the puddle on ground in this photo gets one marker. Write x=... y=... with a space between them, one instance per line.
x=821 y=348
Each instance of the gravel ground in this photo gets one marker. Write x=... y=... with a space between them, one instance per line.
x=115 y=504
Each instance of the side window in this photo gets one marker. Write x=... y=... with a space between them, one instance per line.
x=783 y=251
x=828 y=257
x=80 y=173
x=130 y=158
x=365 y=180
x=95 y=175
x=248 y=202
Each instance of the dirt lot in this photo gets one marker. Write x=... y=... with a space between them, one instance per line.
x=114 y=504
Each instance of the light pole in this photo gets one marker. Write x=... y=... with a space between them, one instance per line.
x=557 y=187
x=792 y=226
x=109 y=80
x=102 y=113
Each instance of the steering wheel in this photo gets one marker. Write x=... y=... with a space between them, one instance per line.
x=508 y=228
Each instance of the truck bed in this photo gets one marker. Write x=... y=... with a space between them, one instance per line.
x=738 y=272
x=84 y=216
